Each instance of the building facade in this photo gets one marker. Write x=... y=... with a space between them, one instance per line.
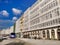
x=6 y=32
x=17 y=27
x=42 y=20
x=26 y=22
x=21 y=25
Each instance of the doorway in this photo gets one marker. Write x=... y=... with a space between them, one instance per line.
x=53 y=34
x=48 y=35
x=58 y=32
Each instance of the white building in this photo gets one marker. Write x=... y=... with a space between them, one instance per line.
x=17 y=28
x=7 y=31
x=26 y=18
x=42 y=20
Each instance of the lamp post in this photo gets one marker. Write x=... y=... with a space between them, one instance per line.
x=14 y=27
x=13 y=35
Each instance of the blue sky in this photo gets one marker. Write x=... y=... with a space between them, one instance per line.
x=11 y=10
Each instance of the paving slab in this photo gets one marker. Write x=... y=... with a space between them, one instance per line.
x=41 y=42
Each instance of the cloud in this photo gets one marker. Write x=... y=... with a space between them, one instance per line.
x=4 y=13
x=14 y=18
x=16 y=11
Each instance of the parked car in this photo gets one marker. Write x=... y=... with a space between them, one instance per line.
x=12 y=35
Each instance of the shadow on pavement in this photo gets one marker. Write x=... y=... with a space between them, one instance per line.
x=18 y=43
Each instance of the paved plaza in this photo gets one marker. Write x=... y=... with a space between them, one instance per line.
x=42 y=42
x=33 y=41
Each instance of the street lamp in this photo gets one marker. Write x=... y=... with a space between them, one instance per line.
x=14 y=27
x=13 y=35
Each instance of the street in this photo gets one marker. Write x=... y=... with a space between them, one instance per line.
x=42 y=42
x=32 y=41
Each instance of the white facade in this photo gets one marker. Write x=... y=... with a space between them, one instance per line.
x=42 y=19
x=7 y=31
x=45 y=14
x=26 y=22
x=17 y=28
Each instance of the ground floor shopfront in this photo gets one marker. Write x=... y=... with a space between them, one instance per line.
x=51 y=33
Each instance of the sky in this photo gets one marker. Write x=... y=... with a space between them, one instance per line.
x=11 y=10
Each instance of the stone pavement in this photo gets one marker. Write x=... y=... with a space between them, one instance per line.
x=41 y=42
x=4 y=42
x=9 y=41
x=32 y=41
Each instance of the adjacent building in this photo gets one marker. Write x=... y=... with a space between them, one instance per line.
x=6 y=32
x=17 y=27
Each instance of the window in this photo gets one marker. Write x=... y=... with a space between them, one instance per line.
x=53 y=22
x=50 y=15
x=58 y=12
x=59 y=20
x=43 y=33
